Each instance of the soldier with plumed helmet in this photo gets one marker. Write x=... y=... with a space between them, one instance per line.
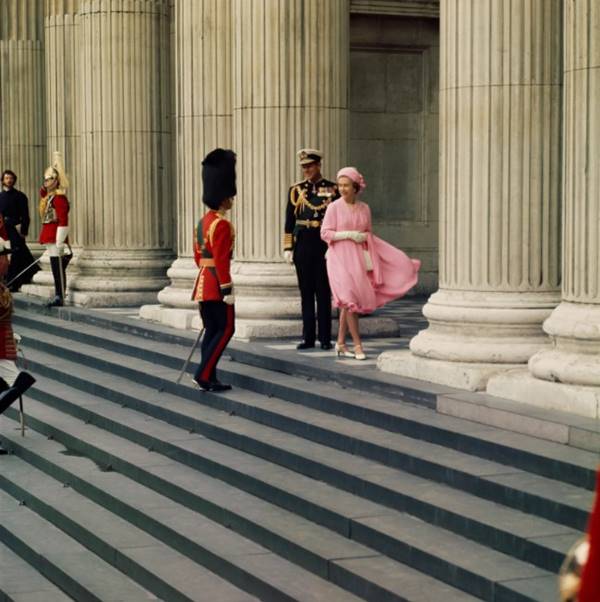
x=54 y=212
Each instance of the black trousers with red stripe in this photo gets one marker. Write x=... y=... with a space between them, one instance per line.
x=218 y=319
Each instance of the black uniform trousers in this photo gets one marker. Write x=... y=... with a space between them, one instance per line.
x=218 y=319
x=309 y=258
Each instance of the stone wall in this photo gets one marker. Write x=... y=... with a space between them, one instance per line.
x=394 y=84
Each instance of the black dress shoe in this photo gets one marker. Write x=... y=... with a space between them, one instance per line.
x=219 y=387
x=326 y=346
x=203 y=384
x=305 y=345
x=3 y=451
x=55 y=302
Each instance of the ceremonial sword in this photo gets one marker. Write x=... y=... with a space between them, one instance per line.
x=23 y=271
x=189 y=357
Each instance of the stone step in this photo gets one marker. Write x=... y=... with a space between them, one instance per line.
x=71 y=567
x=303 y=542
x=560 y=427
x=20 y=582
x=467 y=571
x=213 y=546
x=529 y=538
x=166 y=573
x=556 y=461
x=532 y=494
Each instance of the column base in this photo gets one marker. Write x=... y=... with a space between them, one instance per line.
x=484 y=326
x=575 y=356
x=119 y=278
x=521 y=385
x=265 y=291
x=462 y=375
x=176 y=308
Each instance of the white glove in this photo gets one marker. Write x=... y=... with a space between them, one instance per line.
x=4 y=244
x=358 y=237
x=350 y=235
x=288 y=256
x=229 y=299
x=342 y=235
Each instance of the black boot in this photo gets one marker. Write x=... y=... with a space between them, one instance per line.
x=59 y=282
x=23 y=381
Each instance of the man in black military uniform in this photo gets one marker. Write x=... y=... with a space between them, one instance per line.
x=307 y=201
x=14 y=206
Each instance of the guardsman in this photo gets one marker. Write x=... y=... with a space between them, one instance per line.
x=307 y=201
x=54 y=211
x=213 y=248
x=14 y=206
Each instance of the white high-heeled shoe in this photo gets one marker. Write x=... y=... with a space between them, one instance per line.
x=342 y=350
x=359 y=354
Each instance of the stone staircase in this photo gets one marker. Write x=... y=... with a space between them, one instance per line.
x=130 y=487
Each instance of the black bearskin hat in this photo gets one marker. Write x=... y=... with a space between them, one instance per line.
x=218 y=177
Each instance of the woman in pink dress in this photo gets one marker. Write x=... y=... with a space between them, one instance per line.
x=365 y=272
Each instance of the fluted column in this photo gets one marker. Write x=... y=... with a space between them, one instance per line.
x=291 y=78
x=63 y=93
x=62 y=113
x=500 y=120
x=22 y=97
x=125 y=187
x=567 y=375
x=203 y=85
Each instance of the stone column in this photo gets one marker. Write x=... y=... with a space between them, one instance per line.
x=203 y=83
x=125 y=188
x=63 y=89
x=62 y=111
x=22 y=97
x=291 y=79
x=567 y=375
x=500 y=131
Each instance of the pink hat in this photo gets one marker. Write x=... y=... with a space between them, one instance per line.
x=354 y=175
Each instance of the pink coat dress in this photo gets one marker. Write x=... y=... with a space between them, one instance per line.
x=352 y=286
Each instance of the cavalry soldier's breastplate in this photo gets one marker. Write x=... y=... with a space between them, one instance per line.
x=49 y=216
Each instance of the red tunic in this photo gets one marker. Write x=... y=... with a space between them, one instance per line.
x=8 y=347
x=213 y=248
x=55 y=213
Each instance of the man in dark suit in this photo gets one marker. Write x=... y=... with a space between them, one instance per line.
x=14 y=206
